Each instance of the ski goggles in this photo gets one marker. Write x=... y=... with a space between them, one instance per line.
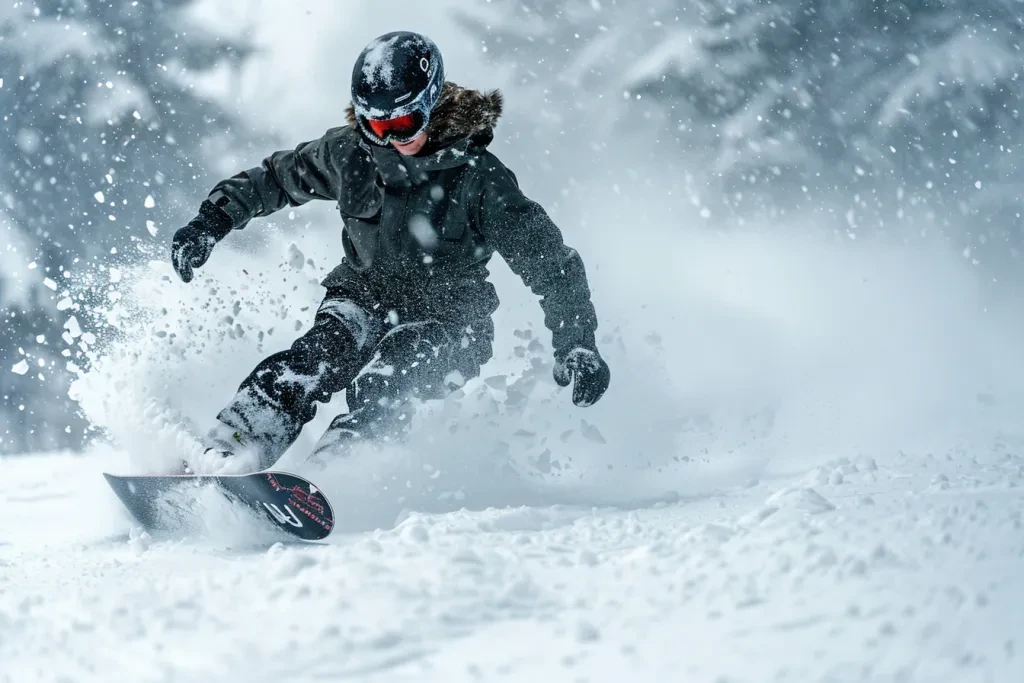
x=400 y=129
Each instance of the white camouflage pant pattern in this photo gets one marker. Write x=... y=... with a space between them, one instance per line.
x=381 y=360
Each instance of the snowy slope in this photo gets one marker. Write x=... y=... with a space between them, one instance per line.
x=699 y=523
x=908 y=568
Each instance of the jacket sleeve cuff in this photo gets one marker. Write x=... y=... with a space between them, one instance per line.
x=239 y=214
x=568 y=338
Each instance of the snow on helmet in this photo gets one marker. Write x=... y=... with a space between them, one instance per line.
x=396 y=81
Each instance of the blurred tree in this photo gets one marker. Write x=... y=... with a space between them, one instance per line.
x=104 y=129
x=918 y=99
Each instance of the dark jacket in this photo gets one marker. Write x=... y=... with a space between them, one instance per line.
x=419 y=231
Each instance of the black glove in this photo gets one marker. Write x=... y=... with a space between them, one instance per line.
x=193 y=244
x=588 y=368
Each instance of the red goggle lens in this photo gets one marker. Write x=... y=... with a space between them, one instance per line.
x=401 y=127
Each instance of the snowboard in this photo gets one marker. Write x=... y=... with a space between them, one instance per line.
x=164 y=502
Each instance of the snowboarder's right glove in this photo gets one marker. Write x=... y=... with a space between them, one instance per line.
x=193 y=244
x=588 y=369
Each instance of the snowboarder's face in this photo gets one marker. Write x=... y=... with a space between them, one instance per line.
x=412 y=146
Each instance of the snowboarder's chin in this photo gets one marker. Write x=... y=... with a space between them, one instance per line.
x=411 y=147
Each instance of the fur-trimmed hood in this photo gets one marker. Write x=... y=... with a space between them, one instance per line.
x=459 y=113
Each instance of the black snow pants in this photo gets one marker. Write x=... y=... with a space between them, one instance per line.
x=382 y=356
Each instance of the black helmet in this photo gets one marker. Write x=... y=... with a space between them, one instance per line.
x=396 y=82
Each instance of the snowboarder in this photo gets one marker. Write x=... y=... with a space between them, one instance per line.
x=407 y=313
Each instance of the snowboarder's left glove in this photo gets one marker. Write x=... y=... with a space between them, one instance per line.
x=588 y=369
x=194 y=243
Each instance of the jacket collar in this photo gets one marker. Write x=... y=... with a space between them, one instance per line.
x=398 y=170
